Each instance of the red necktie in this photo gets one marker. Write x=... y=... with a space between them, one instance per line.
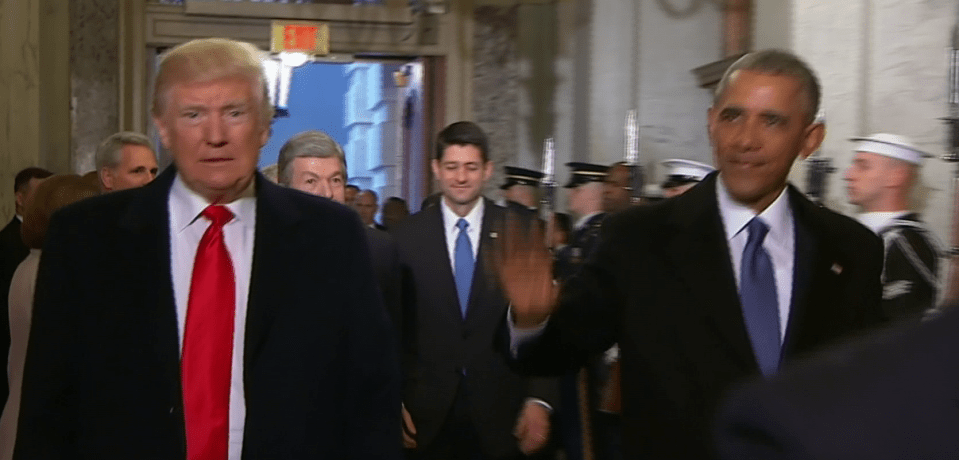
x=208 y=344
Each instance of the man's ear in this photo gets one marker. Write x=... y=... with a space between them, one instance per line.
x=435 y=165
x=488 y=171
x=812 y=139
x=106 y=178
x=163 y=131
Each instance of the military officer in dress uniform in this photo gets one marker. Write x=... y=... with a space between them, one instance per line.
x=883 y=173
x=586 y=204
x=682 y=175
x=584 y=432
x=521 y=187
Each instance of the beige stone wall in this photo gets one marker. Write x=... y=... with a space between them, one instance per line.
x=33 y=101
x=19 y=94
x=94 y=77
x=883 y=67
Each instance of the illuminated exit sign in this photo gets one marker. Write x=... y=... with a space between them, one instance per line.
x=300 y=36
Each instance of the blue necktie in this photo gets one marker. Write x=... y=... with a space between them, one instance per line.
x=463 y=261
x=757 y=292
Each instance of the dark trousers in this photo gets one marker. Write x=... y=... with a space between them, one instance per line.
x=457 y=438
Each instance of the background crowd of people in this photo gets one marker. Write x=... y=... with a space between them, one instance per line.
x=214 y=312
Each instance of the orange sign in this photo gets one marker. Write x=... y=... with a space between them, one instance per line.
x=304 y=37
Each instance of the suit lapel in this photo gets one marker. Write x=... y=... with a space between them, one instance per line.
x=275 y=221
x=484 y=270
x=701 y=256
x=817 y=265
x=148 y=222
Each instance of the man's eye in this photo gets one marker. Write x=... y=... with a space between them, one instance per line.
x=729 y=115
x=774 y=121
x=337 y=180
x=191 y=115
x=310 y=181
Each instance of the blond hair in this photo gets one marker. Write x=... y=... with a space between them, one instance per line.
x=208 y=59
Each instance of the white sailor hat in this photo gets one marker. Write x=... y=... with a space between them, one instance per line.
x=679 y=171
x=890 y=145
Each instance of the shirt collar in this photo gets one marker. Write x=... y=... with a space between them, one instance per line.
x=19 y=217
x=186 y=205
x=474 y=218
x=735 y=215
x=877 y=221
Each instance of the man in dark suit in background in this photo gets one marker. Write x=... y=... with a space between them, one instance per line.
x=314 y=163
x=461 y=399
x=210 y=314
x=728 y=280
x=12 y=252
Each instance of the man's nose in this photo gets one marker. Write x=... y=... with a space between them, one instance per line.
x=323 y=188
x=748 y=135
x=216 y=132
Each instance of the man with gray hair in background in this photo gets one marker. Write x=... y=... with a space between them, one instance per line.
x=125 y=160
x=314 y=163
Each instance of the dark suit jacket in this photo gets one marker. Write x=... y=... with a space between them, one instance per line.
x=12 y=252
x=102 y=377
x=386 y=267
x=662 y=286
x=891 y=397
x=452 y=353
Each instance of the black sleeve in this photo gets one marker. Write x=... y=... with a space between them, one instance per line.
x=372 y=375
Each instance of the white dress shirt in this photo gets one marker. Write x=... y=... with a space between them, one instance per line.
x=475 y=220
x=186 y=228
x=877 y=221
x=780 y=242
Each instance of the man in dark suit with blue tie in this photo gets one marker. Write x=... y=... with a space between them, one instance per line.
x=461 y=399
x=733 y=278
x=210 y=314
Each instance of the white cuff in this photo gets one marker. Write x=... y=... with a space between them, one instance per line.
x=541 y=403
x=519 y=336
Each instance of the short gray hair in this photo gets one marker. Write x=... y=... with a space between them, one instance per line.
x=108 y=152
x=777 y=62
x=308 y=144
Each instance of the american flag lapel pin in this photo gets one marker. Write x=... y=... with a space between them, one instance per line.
x=493 y=235
x=836 y=268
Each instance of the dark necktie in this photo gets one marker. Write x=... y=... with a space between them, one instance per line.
x=463 y=260
x=757 y=292
x=208 y=343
